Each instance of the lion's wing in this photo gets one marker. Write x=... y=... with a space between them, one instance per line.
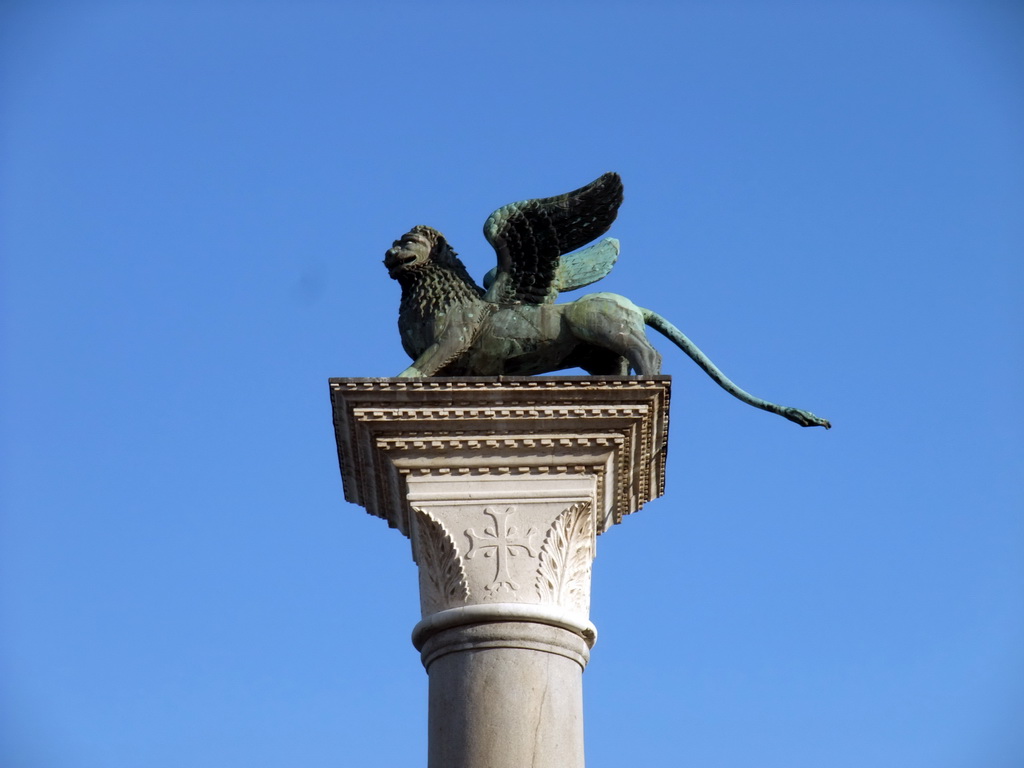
x=578 y=269
x=530 y=236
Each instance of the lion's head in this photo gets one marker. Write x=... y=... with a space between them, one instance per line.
x=422 y=256
x=416 y=249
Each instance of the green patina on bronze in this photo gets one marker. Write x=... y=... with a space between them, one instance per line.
x=450 y=326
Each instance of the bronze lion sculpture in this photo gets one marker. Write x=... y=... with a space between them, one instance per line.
x=450 y=326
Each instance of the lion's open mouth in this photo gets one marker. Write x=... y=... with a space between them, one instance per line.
x=396 y=258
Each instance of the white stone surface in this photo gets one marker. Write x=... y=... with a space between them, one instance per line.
x=502 y=486
x=610 y=428
x=505 y=695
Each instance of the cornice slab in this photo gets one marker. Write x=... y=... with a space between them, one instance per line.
x=613 y=428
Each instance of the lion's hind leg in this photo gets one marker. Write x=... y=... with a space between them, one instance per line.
x=616 y=324
x=643 y=358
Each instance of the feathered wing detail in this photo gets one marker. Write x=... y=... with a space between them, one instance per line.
x=579 y=269
x=582 y=268
x=531 y=235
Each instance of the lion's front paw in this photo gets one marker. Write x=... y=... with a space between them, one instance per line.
x=805 y=418
x=412 y=372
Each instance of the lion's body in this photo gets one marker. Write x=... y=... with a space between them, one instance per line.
x=602 y=333
x=450 y=330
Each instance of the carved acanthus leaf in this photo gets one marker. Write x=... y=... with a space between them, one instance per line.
x=563 y=577
x=445 y=583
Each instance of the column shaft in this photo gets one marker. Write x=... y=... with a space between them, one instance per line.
x=505 y=695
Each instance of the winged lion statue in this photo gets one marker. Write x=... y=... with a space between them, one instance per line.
x=450 y=326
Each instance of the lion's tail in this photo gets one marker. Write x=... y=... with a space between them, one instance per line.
x=664 y=327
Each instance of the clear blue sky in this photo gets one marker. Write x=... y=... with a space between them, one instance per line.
x=195 y=199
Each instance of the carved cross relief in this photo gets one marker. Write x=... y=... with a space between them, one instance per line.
x=499 y=559
x=502 y=540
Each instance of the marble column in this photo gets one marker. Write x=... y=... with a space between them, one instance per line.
x=502 y=485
